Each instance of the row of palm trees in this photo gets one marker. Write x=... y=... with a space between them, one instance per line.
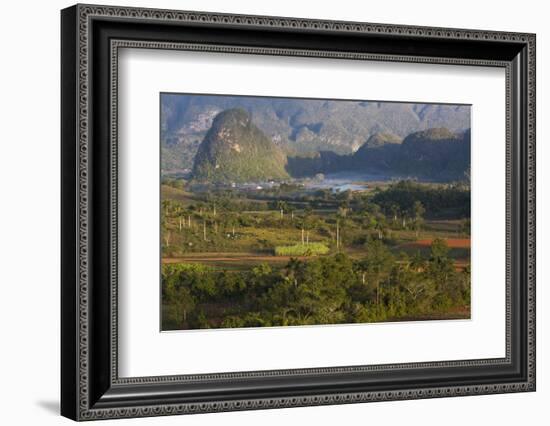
x=215 y=215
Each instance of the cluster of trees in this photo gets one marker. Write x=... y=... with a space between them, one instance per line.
x=199 y=223
x=325 y=290
x=453 y=199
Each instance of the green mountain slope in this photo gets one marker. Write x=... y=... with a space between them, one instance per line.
x=235 y=150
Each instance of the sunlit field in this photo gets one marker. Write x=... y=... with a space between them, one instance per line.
x=292 y=255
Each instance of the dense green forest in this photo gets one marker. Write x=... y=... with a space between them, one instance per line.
x=294 y=255
x=325 y=290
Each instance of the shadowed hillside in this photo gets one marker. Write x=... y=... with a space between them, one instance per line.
x=436 y=154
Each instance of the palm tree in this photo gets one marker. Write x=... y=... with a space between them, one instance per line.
x=291 y=209
x=212 y=200
x=305 y=223
x=292 y=269
x=394 y=209
x=166 y=235
x=282 y=206
x=380 y=226
x=377 y=261
x=340 y=225
x=231 y=221
x=417 y=212
x=179 y=212
x=404 y=219
x=343 y=208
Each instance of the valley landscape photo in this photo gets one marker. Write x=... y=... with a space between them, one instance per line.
x=290 y=212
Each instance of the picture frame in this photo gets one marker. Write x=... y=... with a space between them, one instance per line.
x=90 y=384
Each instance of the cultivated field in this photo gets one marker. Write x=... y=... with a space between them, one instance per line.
x=402 y=249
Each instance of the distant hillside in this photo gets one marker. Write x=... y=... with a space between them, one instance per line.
x=300 y=126
x=434 y=153
x=235 y=150
x=379 y=139
x=437 y=154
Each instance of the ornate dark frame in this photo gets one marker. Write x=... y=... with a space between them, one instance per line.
x=91 y=37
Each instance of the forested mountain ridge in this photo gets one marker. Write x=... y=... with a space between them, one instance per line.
x=436 y=154
x=235 y=150
x=300 y=126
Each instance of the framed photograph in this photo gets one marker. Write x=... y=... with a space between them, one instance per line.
x=263 y=212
